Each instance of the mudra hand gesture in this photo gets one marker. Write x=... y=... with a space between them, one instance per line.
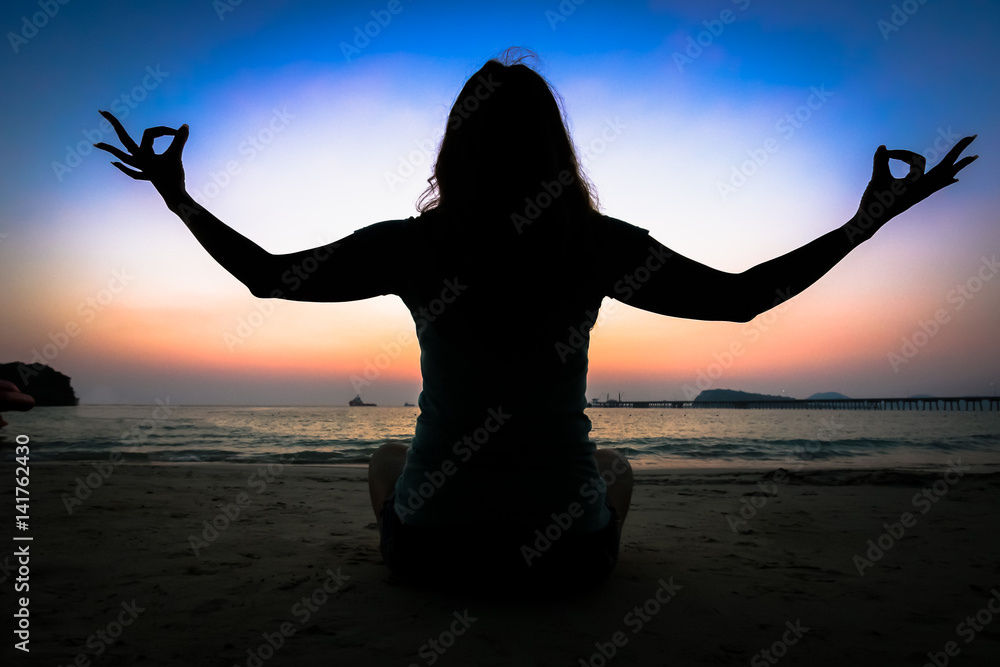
x=163 y=170
x=887 y=196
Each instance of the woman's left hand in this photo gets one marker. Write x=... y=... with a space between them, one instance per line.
x=11 y=398
x=887 y=196
x=164 y=170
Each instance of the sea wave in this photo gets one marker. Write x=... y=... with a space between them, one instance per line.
x=345 y=436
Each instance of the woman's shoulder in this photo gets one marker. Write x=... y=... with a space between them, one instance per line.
x=402 y=230
x=605 y=224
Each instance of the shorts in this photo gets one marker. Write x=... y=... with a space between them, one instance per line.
x=503 y=556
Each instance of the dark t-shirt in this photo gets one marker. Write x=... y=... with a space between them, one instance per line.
x=503 y=318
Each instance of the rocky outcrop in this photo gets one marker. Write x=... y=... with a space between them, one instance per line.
x=734 y=396
x=44 y=384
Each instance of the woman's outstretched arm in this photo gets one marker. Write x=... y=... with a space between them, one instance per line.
x=334 y=277
x=686 y=288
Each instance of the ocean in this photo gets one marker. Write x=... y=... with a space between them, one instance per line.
x=650 y=437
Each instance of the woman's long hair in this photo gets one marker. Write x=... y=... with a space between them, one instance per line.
x=506 y=153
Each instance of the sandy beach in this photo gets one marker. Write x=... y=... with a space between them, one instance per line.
x=228 y=564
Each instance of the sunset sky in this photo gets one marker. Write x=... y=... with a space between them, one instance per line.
x=304 y=129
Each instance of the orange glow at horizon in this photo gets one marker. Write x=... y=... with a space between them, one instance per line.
x=818 y=332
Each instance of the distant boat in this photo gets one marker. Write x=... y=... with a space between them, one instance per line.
x=356 y=402
x=409 y=405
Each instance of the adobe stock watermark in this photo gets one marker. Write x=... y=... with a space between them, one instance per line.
x=779 y=649
x=223 y=7
x=121 y=106
x=863 y=220
x=549 y=191
x=923 y=501
x=426 y=148
x=624 y=288
x=786 y=126
x=753 y=502
x=563 y=521
x=249 y=148
x=8 y=567
x=229 y=513
x=382 y=361
x=968 y=630
x=86 y=486
x=374 y=367
x=635 y=619
x=547 y=194
x=630 y=283
x=294 y=276
x=943 y=142
x=140 y=432
x=828 y=430
x=898 y=17
x=424 y=315
x=88 y=310
x=408 y=164
x=248 y=324
x=706 y=38
x=609 y=134
x=605 y=313
x=435 y=647
x=581 y=334
x=707 y=377
x=363 y=35
x=462 y=450
x=562 y=12
x=390 y=351
x=958 y=297
x=301 y=611
x=470 y=103
x=102 y=638
x=37 y=21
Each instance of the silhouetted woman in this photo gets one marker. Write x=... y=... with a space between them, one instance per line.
x=504 y=271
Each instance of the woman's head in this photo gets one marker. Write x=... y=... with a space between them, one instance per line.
x=504 y=142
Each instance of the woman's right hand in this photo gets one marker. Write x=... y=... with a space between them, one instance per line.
x=163 y=170
x=11 y=398
x=887 y=196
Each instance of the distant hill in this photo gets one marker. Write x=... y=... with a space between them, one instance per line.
x=734 y=396
x=826 y=395
x=41 y=382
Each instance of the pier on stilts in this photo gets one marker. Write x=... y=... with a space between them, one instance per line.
x=953 y=403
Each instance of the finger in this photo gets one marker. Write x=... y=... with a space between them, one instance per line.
x=177 y=145
x=957 y=150
x=137 y=175
x=880 y=166
x=118 y=153
x=947 y=175
x=152 y=133
x=126 y=140
x=906 y=156
x=965 y=162
x=916 y=161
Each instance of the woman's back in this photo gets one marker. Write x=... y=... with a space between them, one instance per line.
x=503 y=317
